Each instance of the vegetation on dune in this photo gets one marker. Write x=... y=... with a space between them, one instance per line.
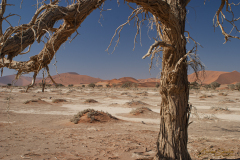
x=91 y=85
x=215 y=85
x=129 y=85
x=70 y=85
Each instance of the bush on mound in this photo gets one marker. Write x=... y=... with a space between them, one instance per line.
x=90 y=101
x=34 y=101
x=136 y=103
x=140 y=110
x=58 y=100
x=91 y=116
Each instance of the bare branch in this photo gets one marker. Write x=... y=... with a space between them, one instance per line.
x=43 y=25
x=48 y=72
x=155 y=45
x=133 y=15
x=33 y=81
x=232 y=22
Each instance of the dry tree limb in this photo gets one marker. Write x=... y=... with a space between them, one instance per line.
x=42 y=21
x=133 y=15
x=33 y=81
x=48 y=72
x=232 y=22
x=16 y=39
x=155 y=45
x=2 y=11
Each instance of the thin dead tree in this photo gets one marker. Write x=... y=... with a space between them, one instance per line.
x=168 y=16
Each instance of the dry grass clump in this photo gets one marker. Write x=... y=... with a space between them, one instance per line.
x=35 y=101
x=125 y=93
x=140 y=110
x=205 y=96
x=215 y=151
x=135 y=103
x=222 y=94
x=227 y=101
x=144 y=93
x=22 y=91
x=90 y=115
x=210 y=117
x=8 y=98
x=58 y=90
x=90 y=101
x=28 y=101
x=58 y=100
x=219 y=108
x=70 y=91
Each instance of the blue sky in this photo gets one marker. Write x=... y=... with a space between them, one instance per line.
x=86 y=54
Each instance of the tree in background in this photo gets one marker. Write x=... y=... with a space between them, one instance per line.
x=215 y=85
x=237 y=86
x=207 y=86
x=91 y=85
x=194 y=85
x=70 y=85
x=231 y=86
x=168 y=17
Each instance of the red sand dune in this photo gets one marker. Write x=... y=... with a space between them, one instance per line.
x=72 y=78
x=216 y=76
x=229 y=78
x=22 y=81
x=76 y=79
x=147 y=84
x=149 y=80
x=128 y=79
x=120 y=81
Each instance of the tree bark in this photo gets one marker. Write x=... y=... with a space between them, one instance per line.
x=173 y=135
x=169 y=16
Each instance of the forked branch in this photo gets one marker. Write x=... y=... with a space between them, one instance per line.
x=219 y=13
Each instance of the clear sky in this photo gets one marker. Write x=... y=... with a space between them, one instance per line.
x=86 y=54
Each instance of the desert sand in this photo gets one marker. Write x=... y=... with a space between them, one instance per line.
x=32 y=126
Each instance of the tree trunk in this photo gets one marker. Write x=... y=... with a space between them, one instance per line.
x=173 y=135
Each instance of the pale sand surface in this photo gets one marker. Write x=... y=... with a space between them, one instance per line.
x=44 y=131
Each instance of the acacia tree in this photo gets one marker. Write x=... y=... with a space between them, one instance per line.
x=169 y=18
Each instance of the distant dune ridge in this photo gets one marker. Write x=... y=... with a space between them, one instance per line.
x=72 y=78
x=216 y=76
x=76 y=79
x=22 y=81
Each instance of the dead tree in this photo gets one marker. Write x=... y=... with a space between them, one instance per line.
x=169 y=18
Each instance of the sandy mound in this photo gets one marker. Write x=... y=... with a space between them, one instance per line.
x=142 y=93
x=58 y=100
x=35 y=101
x=136 y=104
x=141 y=112
x=92 y=116
x=90 y=101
